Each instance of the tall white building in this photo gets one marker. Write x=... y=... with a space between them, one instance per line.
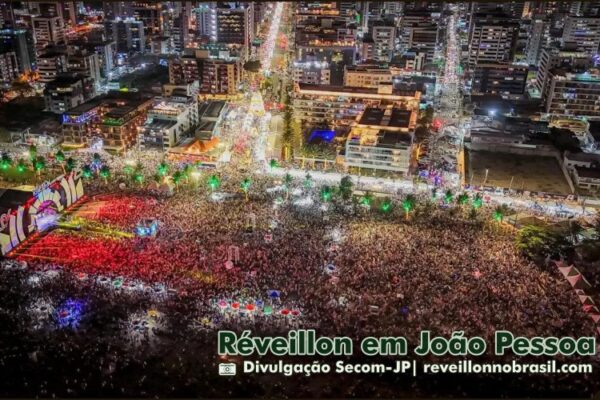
x=48 y=31
x=206 y=20
x=169 y=121
x=382 y=139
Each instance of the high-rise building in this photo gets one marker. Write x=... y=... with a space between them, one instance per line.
x=582 y=33
x=105 y=50
x=150 y=13
x=418 y=32
x=514 y=9
x=206 y=20
x=181 y=32
x=492 y=39
x=500 y=79
x=383 y=38
x=7 y=15
x=367 y=76
x=19 y=41
x=535 y=40
x=116 y=9
x=9 y=67
x=320 y=105
x=64 y=9
x=169 y=121
x=552 y=57
x=67 y=92
x=48 y=31
x=382 y=140
x=86 y=64
x=571 y=93
x=235 y=25
x=312 y=72
x=128 y=34
x=327 y=40
x=50 y=65
x=216 y=76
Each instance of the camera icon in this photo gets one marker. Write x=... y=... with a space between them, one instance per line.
x=227 y=369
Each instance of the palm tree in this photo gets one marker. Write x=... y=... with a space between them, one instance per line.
x=245 y=185
x=39 y=165
x=500 y=212
x=462 y=199
x=308 y=181
x=177 y=178
x=408 y=204
x=214 y=182
x=386 y=205
x=60 y=158
x=346 y=187
x=287 y=183
x=163 y=168
x=273 y=164
x=87 y=171
x=128 y=169
x=105 y=173
x=287 y=136
x=21 y=166
x=186 y=172
x=448 y=196
x=32 y=153
x=138 y=177
x=367 y=199
x=69 y=165
x=326 y=193
x=5 y=162
x=477 y=201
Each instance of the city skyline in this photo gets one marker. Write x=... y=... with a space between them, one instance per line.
x=183 y=177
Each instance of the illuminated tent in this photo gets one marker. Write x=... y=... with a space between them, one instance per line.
x=578 y=281
x=586 y=300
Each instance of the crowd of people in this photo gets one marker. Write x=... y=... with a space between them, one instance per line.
x=342 y=268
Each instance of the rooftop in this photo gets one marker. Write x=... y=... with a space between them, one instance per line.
x=160 y=124
x=394 y=118
x=591 y=173
x=582 y=157
x=336 y=90
x=211 y=109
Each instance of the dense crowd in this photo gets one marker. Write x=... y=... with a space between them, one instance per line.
x=342 y=268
